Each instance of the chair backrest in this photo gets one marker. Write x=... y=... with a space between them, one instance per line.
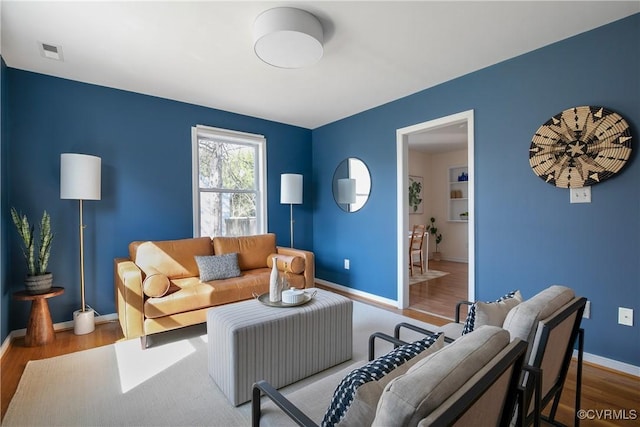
x=552 y=349
x=417 y=238
x=491 y=395
x=522 y=320
x=477 y=373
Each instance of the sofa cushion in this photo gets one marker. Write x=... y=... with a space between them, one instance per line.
x=293 y=280
x=412 y=396
x=189 y=294
x=522 y=321
x=287 y=263
x=490 y=313
x=252 y=250
x=215 y=267
x=155 y=284
x=173 y=258
x=355 y=399
x=451 y=330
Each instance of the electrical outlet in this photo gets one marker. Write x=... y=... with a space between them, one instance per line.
x=625 y=316
x=346 y=263
x=580 y=195
x=587 y=310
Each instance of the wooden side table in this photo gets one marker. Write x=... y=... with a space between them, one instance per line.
x=40 y=327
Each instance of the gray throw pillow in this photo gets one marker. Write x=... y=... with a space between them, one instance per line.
x=490 y=313
x=217 y=267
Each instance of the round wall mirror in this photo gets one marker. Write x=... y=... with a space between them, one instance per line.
x=351 y=184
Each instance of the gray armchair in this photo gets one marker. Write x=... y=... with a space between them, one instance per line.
x=550 y=323
x=476 y=377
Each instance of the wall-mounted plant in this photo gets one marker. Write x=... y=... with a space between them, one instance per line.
x=415 y=194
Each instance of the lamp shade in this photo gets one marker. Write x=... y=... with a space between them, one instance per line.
x=287 y=37
x=291 y=188
x=79 y=176
x=346 y=190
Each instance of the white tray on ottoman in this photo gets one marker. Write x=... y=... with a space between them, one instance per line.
x=249 y=341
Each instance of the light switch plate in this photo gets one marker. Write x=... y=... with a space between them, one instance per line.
x=625 y=316
x=587 y=310
x=580 y=195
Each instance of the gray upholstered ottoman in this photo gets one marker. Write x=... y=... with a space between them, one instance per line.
x=249 y=341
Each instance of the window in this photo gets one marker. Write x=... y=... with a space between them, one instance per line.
x=229 y=182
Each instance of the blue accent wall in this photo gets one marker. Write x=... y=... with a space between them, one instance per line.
x=145 y=146
x=527 y=234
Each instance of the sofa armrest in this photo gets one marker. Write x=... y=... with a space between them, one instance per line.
x=129 y=297
x=309 y=263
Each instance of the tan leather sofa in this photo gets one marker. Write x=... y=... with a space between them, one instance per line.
x=158 y=287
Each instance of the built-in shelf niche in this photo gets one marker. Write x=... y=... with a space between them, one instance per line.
x=458 y=193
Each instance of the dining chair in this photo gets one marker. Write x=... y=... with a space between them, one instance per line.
x=415 y=247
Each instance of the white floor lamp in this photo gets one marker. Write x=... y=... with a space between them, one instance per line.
x=80 y=180
x=291 y=193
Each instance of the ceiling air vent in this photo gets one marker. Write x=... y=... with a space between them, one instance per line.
x=50 y=51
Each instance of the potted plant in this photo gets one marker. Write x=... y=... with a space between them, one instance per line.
x=432 y=229
x=38 y=279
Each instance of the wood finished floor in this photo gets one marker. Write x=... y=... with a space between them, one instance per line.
x=603 y=389
x=439 y=296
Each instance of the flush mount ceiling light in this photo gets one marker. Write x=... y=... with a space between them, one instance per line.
x=287 y=37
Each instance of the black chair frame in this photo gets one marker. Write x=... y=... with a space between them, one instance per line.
x=540 y=402
x=555 y=392
x=399 y=326
x=282 y=402
x=515 y=357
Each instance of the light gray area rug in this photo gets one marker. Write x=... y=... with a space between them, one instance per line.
x=428 y=275
x=165 y=385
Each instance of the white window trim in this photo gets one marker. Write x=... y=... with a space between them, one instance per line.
x=261 y=173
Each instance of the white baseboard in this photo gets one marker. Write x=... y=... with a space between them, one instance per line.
x=56 y=327
x=591 y=358
x=5 y=344
x=453 y=259
x=462 y=260
x=627 y=368
x=356 y=292
x=616 y=365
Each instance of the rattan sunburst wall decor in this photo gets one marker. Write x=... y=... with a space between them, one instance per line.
x=580 y=147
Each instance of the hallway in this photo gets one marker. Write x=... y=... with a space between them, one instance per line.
x=439 y=296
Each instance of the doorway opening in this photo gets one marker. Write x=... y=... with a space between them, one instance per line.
x=442 y=141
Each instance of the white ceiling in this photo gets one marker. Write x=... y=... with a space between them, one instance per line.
x=450 y=137
x=201 y=52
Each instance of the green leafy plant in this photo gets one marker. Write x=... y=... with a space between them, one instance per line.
x=35 y=266
x=434 y=231
x=415 y=189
